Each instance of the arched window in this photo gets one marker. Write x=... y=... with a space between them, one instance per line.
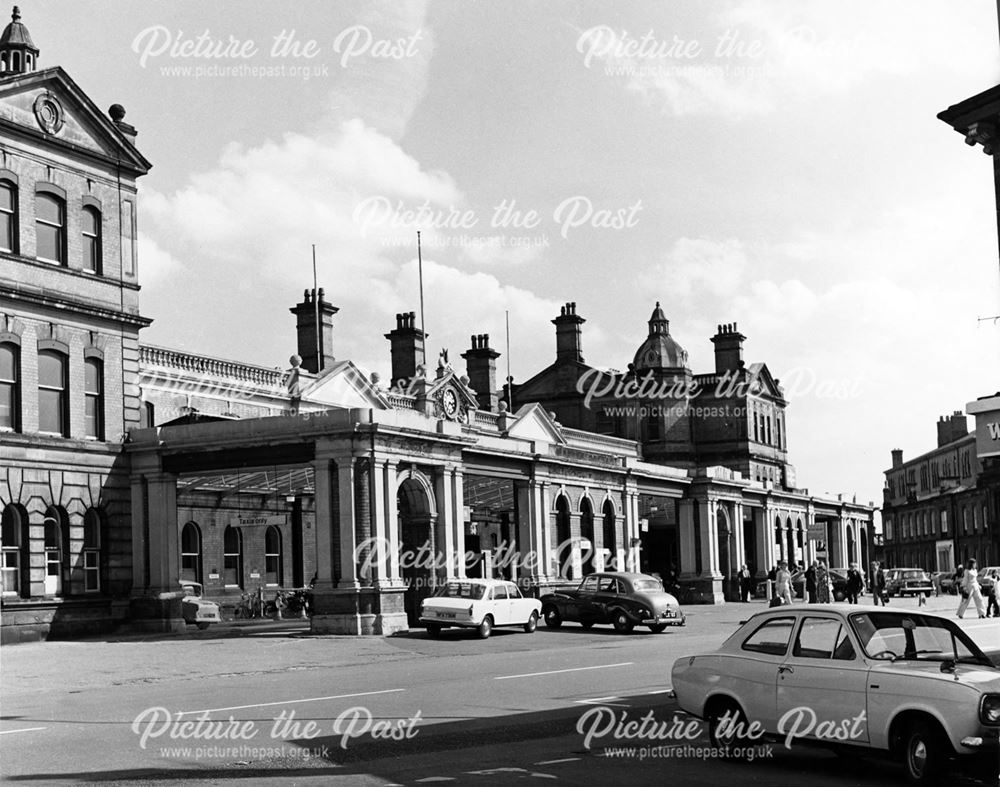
x=8 y=217
x=563 y=547
x=53 y=398
x=13 y=542
x=587 y=535
x=91 y=220
x=50 y=228
x=273 y=558
x=55 y=534
x=93 y=391
x=10 y=386
x=232 y=557
x=610 y=542
x=92 y=527
x=191 y=553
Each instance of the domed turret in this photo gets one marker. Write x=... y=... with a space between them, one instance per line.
x=18 y=53
x=660 y=351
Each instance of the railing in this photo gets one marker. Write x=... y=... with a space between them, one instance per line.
x=485 y=418
x=216 y=367
x=606 y=443
x=401 y=401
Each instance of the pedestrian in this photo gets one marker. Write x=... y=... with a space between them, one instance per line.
x=878 y=585
x=937 y=583
x=783 y=583
x=824 y=587
x=811 y=583
x=994 y=597
x=745 y=581
x=970 y=590
x=855 y=584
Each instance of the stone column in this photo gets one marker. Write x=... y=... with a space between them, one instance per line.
x=709 y=532
x=632 y=534
x=685 y=527
x=763 y=542
x=740 y=554
x=326 y=522
x=346 y=523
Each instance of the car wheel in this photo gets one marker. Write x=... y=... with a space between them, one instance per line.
x=203 y=626
x=621 y=622
x=658 y=628
x=433 y=631
x=485 y=628
x=532 y=624
x=552 y=617
x=721 y=739
x=838 y=596
x=923 y=753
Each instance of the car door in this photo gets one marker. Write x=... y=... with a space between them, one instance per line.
x=581 y=604
x=752 y=676
x=500 y=606
x=608 y=591
x=822 y=684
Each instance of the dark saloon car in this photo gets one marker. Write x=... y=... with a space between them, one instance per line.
x=621 y=599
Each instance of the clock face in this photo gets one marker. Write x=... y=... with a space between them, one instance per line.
x=450 y=402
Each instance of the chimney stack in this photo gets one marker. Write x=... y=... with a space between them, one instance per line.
x=406 y=348
x=728 y=343
x=316 y=355
x=481 y=366
x=897 y=458
x=568 y=334
x=951 y=427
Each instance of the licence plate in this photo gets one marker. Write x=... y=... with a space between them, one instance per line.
x=668 y=614
x=446 y=614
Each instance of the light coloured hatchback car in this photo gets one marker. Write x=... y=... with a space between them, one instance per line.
x=480 y=604
x=913 y=686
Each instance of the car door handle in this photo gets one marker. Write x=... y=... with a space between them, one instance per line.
x=785 y=668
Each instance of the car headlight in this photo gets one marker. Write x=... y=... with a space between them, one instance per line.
x=989 y=709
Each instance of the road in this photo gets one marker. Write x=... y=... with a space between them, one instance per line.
x=277 y=706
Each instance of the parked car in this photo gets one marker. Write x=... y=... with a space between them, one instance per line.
x=622 y=599
x=907 y=582
x=838 y=578
x=196 y=609
x=480 y=604
x=987 y=576
x=913 y=686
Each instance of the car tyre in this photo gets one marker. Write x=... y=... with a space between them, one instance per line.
x=622 y=622
x=658 y=628
x=923 y=753
x=532 y=624
x=485 y=628
x=553 y=619
x=203 y=626
x=738 y=721
x=433 y=630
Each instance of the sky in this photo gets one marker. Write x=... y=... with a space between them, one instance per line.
x=773 y=163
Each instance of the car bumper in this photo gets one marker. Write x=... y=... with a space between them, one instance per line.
x=669 y=618
x=436 y=621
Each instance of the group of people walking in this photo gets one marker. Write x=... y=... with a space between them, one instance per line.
x=967 y=582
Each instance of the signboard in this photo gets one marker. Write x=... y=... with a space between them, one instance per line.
x=259 y=520
x=987 y=412
x=816 y=531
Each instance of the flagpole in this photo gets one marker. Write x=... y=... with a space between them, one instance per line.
x=319 y=332
x=420 y=273
x=510 y=382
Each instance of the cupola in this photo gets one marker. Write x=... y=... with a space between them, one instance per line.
x=18 y=53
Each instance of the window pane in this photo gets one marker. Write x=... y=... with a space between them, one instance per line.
x=92 y=416
x=6 y=197
x=90 y=221
x=50 y=242
x=8 y=363
x=10 y=530
x=92 y=530
x=49 y=209
x=92 y=376
x=7 y=231
x=51 y=370
x=50 y=411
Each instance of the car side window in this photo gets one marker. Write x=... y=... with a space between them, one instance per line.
x=844 y=650
x=822 y=638
x=513 y=591
x=589 y=585
x=772 y=637
x=500 y=593
x=608 y=584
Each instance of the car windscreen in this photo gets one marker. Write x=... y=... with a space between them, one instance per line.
x=469 y=590
x=646 y=584
x=913 y=575
x=894 y=636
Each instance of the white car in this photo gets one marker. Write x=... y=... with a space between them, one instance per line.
x=481 y=604
x=196 y=609
x=910 y=685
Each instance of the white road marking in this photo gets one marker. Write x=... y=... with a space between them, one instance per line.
x=558 y=671
x=290 y=702
x=558 y=762
x=26 y=729
x=430 y=779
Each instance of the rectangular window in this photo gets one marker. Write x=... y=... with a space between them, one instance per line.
x=91 y=220
x=93 y=399
x=8 y=217
x=52 y=414
x=50 y=228
x=10 y=571
x=91 y=570
x=944 y=522
x=9 y=389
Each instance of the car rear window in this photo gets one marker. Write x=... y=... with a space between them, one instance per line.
x=460 y=590
x=646 y=584
x=771 y=637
